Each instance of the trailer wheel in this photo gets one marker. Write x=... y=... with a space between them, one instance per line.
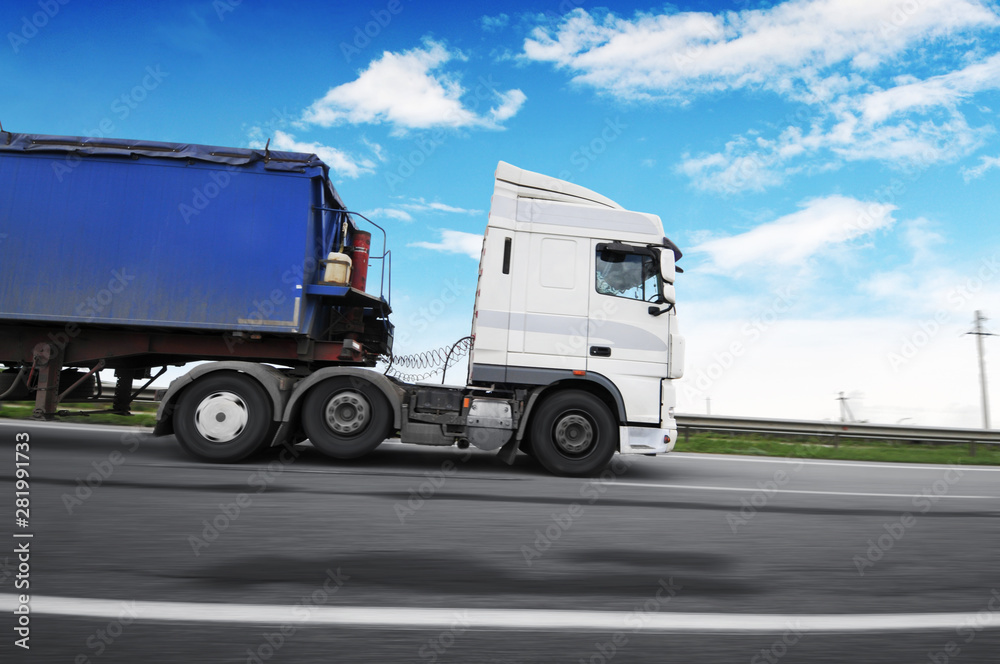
x=346 y=418
x=224 y=417
x=573 y=433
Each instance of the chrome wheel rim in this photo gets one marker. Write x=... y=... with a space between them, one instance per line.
x=573 y=434
x=347 y=413
x=221 y=417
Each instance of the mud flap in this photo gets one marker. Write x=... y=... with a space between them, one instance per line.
x=508 y=452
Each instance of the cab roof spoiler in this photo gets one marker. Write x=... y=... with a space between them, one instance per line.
x=668 y=243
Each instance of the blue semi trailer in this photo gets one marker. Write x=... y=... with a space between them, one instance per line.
x=135 y=255
x=130 y=255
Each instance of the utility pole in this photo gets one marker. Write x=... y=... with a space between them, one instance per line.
x=845 y=411
x=979 y=333
x=708 y=405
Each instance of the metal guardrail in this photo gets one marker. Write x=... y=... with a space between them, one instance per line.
x=837 y=430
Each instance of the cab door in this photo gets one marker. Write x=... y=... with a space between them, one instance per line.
x=629 y=327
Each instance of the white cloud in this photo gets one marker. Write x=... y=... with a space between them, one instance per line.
x=376 y=149
x=389 y=213
x=420 y=205
x=985 y=164
x=878 y=125
x=827 y=54
x=455 y=242
x=944 y=91
x=794 y=238
x=409 y=90
x=779 y=48
x=923 y=240
x=402 y=211
x=510 y=103
x=756 y=165
x=339 y=161
x=741 y=167
x=494 y=23
x=910 y=143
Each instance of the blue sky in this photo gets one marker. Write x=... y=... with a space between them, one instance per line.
x=831 y=168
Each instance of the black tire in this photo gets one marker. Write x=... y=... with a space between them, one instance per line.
x=84 y=391
x=20 y=392
x=574 y=434
x=224 y=417
x=346 y=417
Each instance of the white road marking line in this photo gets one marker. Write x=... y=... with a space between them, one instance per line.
x=87 y=428
x=526 y=619
x=737 y=458
x=795 y=491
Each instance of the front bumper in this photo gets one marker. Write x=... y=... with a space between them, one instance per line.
x=647 y=440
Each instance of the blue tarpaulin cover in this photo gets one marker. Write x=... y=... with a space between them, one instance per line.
x=272 y=160
x=167 y=235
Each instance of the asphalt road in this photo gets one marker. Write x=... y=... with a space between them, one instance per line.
x=424 y=528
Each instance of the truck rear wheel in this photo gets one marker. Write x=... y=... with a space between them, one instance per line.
x=573 y=433
x=224 y=417
x=346 y=418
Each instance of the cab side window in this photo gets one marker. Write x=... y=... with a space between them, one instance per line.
x=626 y=275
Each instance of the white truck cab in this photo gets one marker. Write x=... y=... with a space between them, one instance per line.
x=576 y=292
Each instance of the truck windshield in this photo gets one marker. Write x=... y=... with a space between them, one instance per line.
x=627 y=275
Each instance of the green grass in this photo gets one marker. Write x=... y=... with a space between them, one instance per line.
x=857 y=450
x=144 y=413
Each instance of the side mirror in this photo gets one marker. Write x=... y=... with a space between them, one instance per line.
x=668 y=269
x=668 y=295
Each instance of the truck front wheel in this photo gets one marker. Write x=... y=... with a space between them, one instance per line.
x=573 y=433
x=224 y=417
x=346 y=418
